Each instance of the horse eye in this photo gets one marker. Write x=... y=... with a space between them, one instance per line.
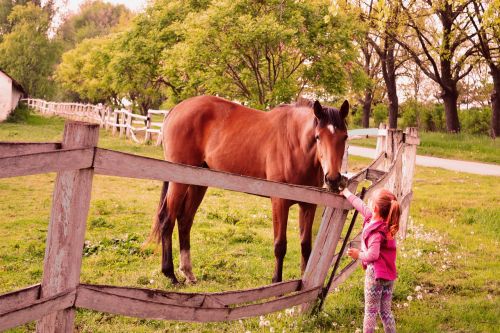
x=346 y=137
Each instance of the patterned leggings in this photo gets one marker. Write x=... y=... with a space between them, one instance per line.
x=378 y=299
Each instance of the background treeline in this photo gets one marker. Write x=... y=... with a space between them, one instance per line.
x=441 y=56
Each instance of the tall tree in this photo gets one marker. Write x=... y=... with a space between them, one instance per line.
x=264 y=52
x=442 y=30
x=485 y=19
x=26 y=52
x=95 y=18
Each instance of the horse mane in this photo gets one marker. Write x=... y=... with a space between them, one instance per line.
x=332 y=115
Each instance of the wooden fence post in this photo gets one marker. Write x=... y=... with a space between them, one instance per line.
x=128 y=124
x=325 y=246
x=66 y=234
x=123 y=123
x=381 y=141
x=408 y=172
x=147 y=135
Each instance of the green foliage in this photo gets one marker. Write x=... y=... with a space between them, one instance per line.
x=19 y=114
x=380 y=114
x=263 y=53
x=95 y=18
x=475 y=121
x=26 y=52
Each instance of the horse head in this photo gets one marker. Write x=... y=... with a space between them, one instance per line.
x=331 y=135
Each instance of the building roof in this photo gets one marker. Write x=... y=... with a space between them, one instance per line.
x=16 y=84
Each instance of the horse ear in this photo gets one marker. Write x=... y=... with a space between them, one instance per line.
x=344 y=109
x=318 y=110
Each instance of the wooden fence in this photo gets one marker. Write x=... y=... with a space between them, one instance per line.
x=138 y=128
x=76 y=159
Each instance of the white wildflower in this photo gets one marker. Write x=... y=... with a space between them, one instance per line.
x=405 y=305
x=409 y=298
x=419 y=296
x=151 y=281
x=418 y=288
x=334 y=324
x=358 y=330
x=353 y=322
x=271 y=329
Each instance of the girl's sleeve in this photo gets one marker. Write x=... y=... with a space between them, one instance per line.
x=360 y=206
x=373 y=249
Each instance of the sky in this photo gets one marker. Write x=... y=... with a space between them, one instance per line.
x=72 y=5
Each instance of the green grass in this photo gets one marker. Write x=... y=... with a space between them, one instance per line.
x=451 y=252
x=455 y=146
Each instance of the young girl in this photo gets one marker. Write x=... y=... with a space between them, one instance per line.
x=378 y=255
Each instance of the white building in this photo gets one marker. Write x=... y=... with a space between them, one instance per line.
x=10 y=94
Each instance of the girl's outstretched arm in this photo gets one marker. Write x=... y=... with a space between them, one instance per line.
x=358 y=204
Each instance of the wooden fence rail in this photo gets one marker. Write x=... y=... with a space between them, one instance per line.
x=138 y=128
x=76 y=159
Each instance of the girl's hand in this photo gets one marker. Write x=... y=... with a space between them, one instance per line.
x=353 y=253
x=345 y=192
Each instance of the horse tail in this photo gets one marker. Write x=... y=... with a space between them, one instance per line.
x=157 y=229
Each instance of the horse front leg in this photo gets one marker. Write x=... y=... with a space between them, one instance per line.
x=280 y=219
x=306 y=219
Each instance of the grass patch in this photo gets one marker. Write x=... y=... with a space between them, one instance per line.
x=448 y=265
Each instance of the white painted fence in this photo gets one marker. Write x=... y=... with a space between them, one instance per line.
x=140 y=129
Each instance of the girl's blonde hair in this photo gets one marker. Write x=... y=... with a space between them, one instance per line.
x=389 y=210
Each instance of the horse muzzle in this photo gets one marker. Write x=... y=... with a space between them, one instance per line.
x=336 y=185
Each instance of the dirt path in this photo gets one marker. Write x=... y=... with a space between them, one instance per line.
x=436 y=162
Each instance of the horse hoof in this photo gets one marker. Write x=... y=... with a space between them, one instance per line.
x=190 y=278
x=172 y=277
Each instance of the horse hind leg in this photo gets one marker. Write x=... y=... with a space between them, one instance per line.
x=170 y=203
x=185 y=219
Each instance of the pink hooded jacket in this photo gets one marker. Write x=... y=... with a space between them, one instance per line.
x=376 y=248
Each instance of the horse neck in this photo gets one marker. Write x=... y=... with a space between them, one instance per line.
x=299 y=133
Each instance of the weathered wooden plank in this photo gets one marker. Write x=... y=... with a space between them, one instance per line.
x=148 y=168
x=36 y=309
x=24 y=148
x=111 y=303
x=52 y=161
x=211 y=300
x=70 y=205
x=19 y=298
x=374 y=174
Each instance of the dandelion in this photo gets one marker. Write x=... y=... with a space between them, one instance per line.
x=279 y=315
x=271 y=329
x=459 y=257
x=267 y=323
x=418 y=288
x=405 y=304
x=261 y=318
x=151 y=281
x=353 y=323
x=334 y=324
x=409 y=298
x=444 y=267
x=419 y=296
x=240 y=321
x=398 y=305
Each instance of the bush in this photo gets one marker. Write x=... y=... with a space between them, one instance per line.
x=432 y=118
x=356 y=117
x=380 y=114
x=410 y=112
x=475 y=121
x=19 y=114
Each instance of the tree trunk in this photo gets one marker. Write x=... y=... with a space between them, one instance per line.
x=495 y=102
x=389 y=73
x=450 y=98
x=367 y=106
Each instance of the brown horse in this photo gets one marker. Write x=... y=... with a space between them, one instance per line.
x=302 y=143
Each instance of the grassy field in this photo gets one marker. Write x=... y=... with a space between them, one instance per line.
x=455 y=146
x=449 y=272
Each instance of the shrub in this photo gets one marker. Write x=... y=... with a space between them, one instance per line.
x=432 y=118
x=475 y=121
x=410 y=112
x=19 y=114
x=380 y=114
